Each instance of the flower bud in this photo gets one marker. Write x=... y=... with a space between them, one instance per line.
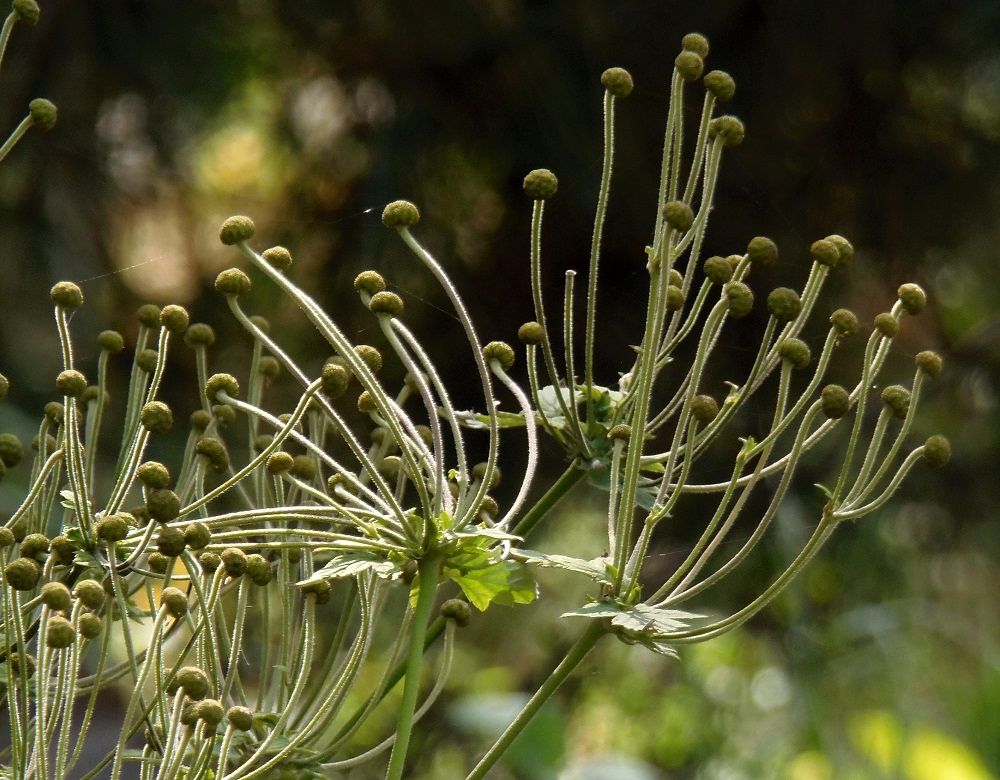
x=370 y=282
x=704 y=408
x=279 y=462
x=22 y=662
x=487 y=506
x=22 y=573
x=844 y=247
x=303 y=467
x=214 y=451
x=174 y=601
x=163 y=505
x=675 y=298
x=235 y=561
x=153 y=474
x=157 y=562
x=89 y=593
x=458 y=611
x=111 y=529
x=729 y=128
x=241 y=718
x=783 y=303
x=258 y=569
x=937 y=451
x=56 y=596
x=400 y=214
x=197 y=535
x=174 y=318
x=111 y=341
x=501 y=352
x=796 y=352
x=371 y=356
x=678 y=215
x=148 y=315
x=479 y=473
x=224 y=415
x=71 y=383
x=320 y=590
x=912 y=297
x=620 y=432
x=279 y=258
x=834 y=401
x=170 y=541
x=721 y=85
x=825 y=253
x=617 y=81
x=156 y=417
x=929 y=362
x=193 y=681
x=27 y=11
x=762 y=251
x=90 y=625
x=34 y=545
x=540 y=184
x=59 y=633
x=224 y=382
x=210 y=712
x=269 y=367
x=6 y=538
x=50 y=443
x=690 y=65
x=717 y=270
x=335 y=379
x=232 y=281
x=43 y=113
x=200 y=419
x=886 y=324
x=235 y=230
x=386 y=303
x=62 y=548
x=531 y=333
x=695 y=42
x=146 y=359
x=740 y=298
x=209 y=562
x=11 y=450
x=897 y=399
x=845 y=322
x=199 y=334
x=366 y=403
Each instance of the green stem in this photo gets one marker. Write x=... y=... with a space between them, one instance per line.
x=569 y=478
x=427 y=578
x=570 y=661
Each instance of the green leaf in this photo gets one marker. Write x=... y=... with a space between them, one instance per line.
x=480 y=421
x=351 y=565
x=596 y=569
x=653 y=621
x=504 y=582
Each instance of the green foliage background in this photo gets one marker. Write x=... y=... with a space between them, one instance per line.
x=880 y=121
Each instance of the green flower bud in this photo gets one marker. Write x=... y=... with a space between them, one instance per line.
x=71 y=383
x=224 y=415
x=43 y=113
x=210 y=712
x=386 y=303
x=260 y=322
x=56 y=596
x=675 y=278
x=704 y=408
x=721 y=85
x=188 y=716
x=170 y=541
x=66 y=295
x=34 y=545
x=153 y=474
x=4 y=386
x=90 y=625
x=200 y=334
x=262 y=441
x=929 y=362
x=531 y=333
x=675 y=298
x=369 y=355
x=620 y=432
x=897 y=399
x=146 y=359
x=334 y=380
x=400 y=214
x=479 y=473
x=835 y=401
x=11 y=450
x=390 y=466
x=695 y=42
x=200 y=419
x=27 y=11
x=678 y=215
x=89 y=593
x=112 y=528
x=232 y=281
x=845 y=322
x=370 y=282
x=6 y=538
x=148 y=315
x=690 y=65
x=844 y=247
x=235 y=561
x=540 y=184
x=279 y=258
x=729 y=128
x=740 y=298
x=174 y=601
x=59 y=634
x=193 y=681
x=501 y=352
x=279 y=462
x=209 y=562
x=157 y=562
x=269 y=367
x=214 y=451
x=258 y=569
x=937 y=451
x=22 y=662
x=175 y=318
x=886 y=324
x=825 y=253
x=717 y=270
x=320 y=590
x=241 y=718
x=762 y=251
x=617 y=81
x=111 y=341
x=50 y=443
x=783 y=303
x=366 y=403
x=796 y=352
x=22 y=573
x=62 y=548
x=93 y=393
x=458 y=611
x=912 y=297
x=156 y=417
x=163 y=505
x=197 y=535
x=225 y=382
x=236 y=230
x=487 y=506
x=303 y=467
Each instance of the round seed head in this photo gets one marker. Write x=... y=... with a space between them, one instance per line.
x=93 y=393
x=156 y=417
x=111 y=341
x=729 y=128
x=844 y=247
x=224 y=382
x=501 y=352
x=386 y=303
x=825 y=253
x=912 y=297
x=235 y=561
x=112 y=528
x=174 y=601
x=224 y=415
x=153 y=474
x=303 y=467
x=740 y=298
x=22 y=662
x=54 y=411
x=163 y=505
x=929 y=362
x=6 y=538
x=210 y=712
x=400 y=214
x=366 y=403
x=783 y=303
x=369 y=355
x=236 y=229
x=214 y=450
x=675 y=298
x=209 y=562
x=188 y=717
x=335 y=379
x=71 y=383
x=531 y=333
x=146 y=359
x=704 y=408
x=835 y=401
x=258 y=569
x=197 y=535
x=175 y=318
x=479 y=472
x=620 y=432
x=170 y=541
x=675 y=278
x=370 y=282
x=27 y=11
x=717 y=270
x=269 y=367
x=457 y=610
x=193 y=681
x=690 y=65
x=695 y=42
x=241 y=718
x=262 y=441
x=157 y=562
x=43 y=113
x=11 y=450
x=50 y=442
x=62 y=547
x=90 y=625
x=148 y=315
x=937 y=451
x=796 y=352
x=886 y=324
x=89 y=593
x=617 y=81
x=487 y=506
x=721 y=85
x=22 y=573
x=56 y=596
x=390 y=465
x=59 y=634
x=200 y=334
x=279 y=258
x=845 y=322
x=200 y=419
x=34 y=545
x=279 y=462
x=232 y=281
x=260 y=322
x=897 y=399
x=762 y=251
x=540 y=184
x=678 y=215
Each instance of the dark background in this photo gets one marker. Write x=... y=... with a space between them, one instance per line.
x=880 y=121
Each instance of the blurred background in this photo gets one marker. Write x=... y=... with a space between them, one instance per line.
x=880 y=121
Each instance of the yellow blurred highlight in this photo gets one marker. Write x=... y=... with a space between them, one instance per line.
x=810 y=765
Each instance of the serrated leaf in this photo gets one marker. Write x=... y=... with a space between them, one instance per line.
x=351 y=565
x=597 y=609
x=504 y=582
x=653 y=621
x=596 y=568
